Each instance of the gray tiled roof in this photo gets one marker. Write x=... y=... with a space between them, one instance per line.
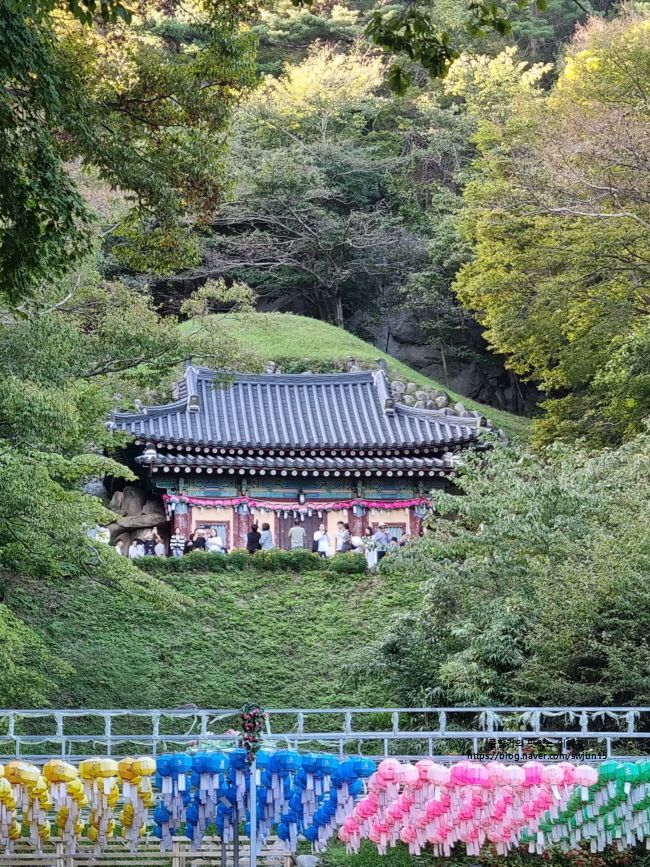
x=317 y=464
x=347 y=410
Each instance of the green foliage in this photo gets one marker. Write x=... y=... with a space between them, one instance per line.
x=536 y=586
x=28 y=667
x=558 y=215
x=262 y=561
x=285 y=31
x=281 y=637
x=149 y=117
x=398 y=856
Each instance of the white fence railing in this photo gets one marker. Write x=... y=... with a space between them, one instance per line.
x=37 y=735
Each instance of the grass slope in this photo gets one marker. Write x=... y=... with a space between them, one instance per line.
x=280 y=639
x=289 y=340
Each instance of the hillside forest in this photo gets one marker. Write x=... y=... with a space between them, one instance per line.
x=461 y=188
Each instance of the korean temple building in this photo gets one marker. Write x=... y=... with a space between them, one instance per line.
x=276 y=447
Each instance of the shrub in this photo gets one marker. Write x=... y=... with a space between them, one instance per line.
x=278 y=560
x=348 y=564
x=275 y=560
x=197 y=561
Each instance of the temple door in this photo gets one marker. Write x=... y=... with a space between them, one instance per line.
x=309 y=524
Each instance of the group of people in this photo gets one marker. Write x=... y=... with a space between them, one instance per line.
x=152 y=545
x=206 y=539
x=374 y=544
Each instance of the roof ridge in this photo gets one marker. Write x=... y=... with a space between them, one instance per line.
x=293 y=378
x=454 y=418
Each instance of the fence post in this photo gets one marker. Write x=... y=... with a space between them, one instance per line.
x=176 y=852
x=235 y=836
x=252 y=806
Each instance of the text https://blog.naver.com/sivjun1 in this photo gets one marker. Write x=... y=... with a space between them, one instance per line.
x=524 y=751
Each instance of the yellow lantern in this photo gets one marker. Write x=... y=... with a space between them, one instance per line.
x=58 y=771
x=144 y=766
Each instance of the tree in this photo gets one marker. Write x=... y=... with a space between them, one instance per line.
x=313 y=216
x=149 y=115
x=558 y=213
x=534 y=587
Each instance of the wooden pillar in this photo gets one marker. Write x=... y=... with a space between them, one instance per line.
x=241 y=524
x=182 y=520
x=357 y=523
x=415 y=522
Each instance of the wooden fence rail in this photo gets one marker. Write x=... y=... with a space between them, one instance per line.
x=117 y=854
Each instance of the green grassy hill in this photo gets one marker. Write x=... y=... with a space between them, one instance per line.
x=280 y=639
x=298 y=343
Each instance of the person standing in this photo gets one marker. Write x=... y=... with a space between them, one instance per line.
x=297 y=535
x=340 y=536
x=149 y=545
x=266 y=538
x=177 y=544
x=253 y=540
x=317 y=534
x=382 y=539
x=370 y=548
x=322 y=542
x=119 y=547
x=213 y=543
x=159 y=549
x=136 y=549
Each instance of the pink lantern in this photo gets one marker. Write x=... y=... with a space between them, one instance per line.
x=460 y=774
x=516 y=776
x=553 y=776
x=585 y=776
x=438 y=774
x=569 y=772
x=408 y=835
x=408 y=774
x=477 y=775
x=388 y=770
x=533 y=773
x=423 y=767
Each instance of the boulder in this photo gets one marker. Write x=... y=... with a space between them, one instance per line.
x=125 y=537
x=430 y=404
x=442 y=401
x=468 y=380
x=115 y=530
x=153 y=506
x=116 y=501
x=411 y=388
x=408 y=399
x=420 y=404
x=397 y=386
x=307 y=861
x=142 y=521
x=421 y=395
x=95 y=488
x=133 y=500
x=404 y=327
x=459 y=408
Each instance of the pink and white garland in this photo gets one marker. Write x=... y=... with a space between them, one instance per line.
x=171 y=500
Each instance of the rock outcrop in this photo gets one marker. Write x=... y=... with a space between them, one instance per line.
x=139 y=513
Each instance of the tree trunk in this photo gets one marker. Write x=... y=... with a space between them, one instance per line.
x=338 y=310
